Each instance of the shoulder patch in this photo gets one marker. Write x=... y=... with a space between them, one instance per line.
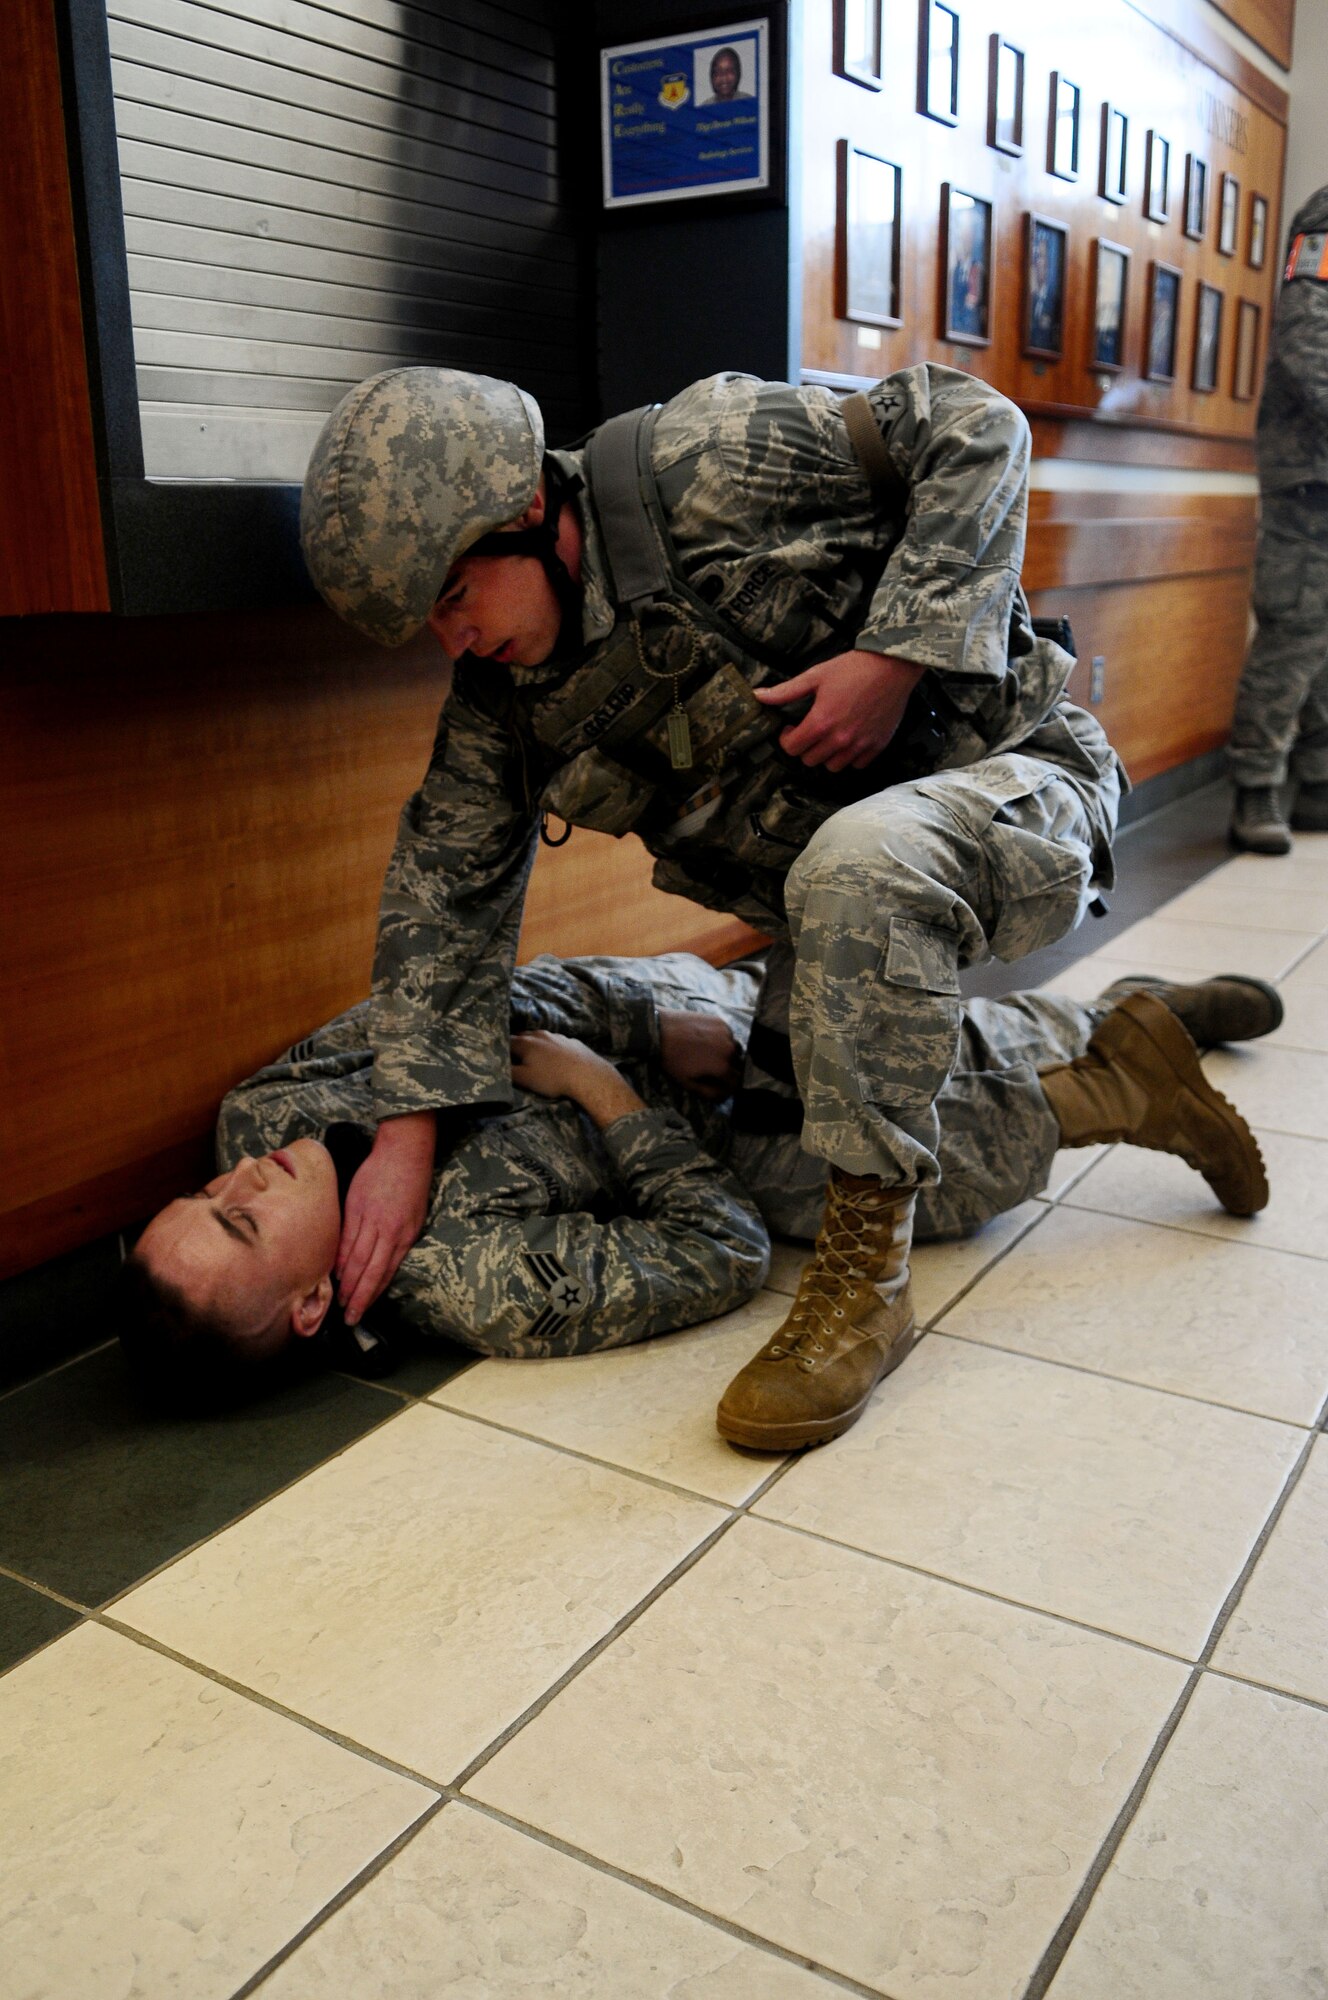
x=567 y=1295
x=1307 y=258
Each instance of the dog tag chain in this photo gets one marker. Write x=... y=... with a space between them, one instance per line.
x=679 y=728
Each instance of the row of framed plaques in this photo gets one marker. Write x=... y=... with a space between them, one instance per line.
x=859 y=56
x=869 y=274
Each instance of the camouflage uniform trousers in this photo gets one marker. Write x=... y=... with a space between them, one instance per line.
x=893 y=896
x=1281 y=717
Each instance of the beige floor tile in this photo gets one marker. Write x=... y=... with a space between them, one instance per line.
x=902 y=1780
x=1223 y=1321
x=1068 y=1169
x=1207 y=948
x=161 y=1834
x=1307 y=862
x=1094 y=1499
x=939 y=1270
x=477 y=1911
x=1305 y=1023
x=1277 y=1089
x=1231 y=900
x=1219 y=1890
x=1157 y=1187
x=650 y=1408
x=1313 y=968
x=417 y=1593
x=1279 y=1630
x=786 y=1262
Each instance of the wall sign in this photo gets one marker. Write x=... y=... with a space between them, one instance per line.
x=683 y=116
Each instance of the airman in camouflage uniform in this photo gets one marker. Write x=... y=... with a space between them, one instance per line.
x=777 y=544
x=547 y=1237
x=1280 y=726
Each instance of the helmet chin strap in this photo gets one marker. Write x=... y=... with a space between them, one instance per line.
x=542 y=543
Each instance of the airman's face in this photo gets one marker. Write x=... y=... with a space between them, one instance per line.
x=724 y=75
x=500 y=608
x=255 y=1247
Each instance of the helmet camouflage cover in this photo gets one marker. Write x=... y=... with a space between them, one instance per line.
x=410 y=469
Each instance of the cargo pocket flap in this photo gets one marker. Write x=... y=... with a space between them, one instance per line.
x=922 y=955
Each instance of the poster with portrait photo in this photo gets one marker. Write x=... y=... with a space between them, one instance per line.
x=1246 y=374
x=1045 y=264
x=868 y=244
x=1111 y=278
x=1207 y=339
x=966 y=239
x=686 y=116
x=1163 y=323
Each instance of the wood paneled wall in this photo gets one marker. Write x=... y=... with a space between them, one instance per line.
x=1115 y=56
x=1270 y=23
x=51 y=555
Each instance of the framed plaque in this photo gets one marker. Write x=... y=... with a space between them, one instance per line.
x=683 y=117
x=868 y=243
x=1207 y=339
x=1196 y=196
x=857 y=53
x=1246 y=372
x=1228 y=215
x=938 y=61
x=1063 y=128
x=1005 y=97
x=1258 y=232
x=1111 y=279
x=966 y=249
x=1163 y=321
x=1157 y=177
x=1114 y=156
x=1046 y=261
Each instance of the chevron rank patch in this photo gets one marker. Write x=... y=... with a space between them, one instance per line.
x=567 y=1295
x=1308 y=258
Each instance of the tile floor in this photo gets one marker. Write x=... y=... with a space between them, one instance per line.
x=508 y=1679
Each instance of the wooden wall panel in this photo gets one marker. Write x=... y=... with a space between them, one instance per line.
x=197 y=817
x=1269 y=23
x=51 y=555
x=1114 y=54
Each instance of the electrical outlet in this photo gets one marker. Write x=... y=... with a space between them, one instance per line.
x=1097 y=678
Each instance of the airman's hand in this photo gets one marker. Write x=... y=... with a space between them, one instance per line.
x=385 y=1210
x=858 y=702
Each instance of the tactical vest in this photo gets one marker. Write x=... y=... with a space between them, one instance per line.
x=727 y=816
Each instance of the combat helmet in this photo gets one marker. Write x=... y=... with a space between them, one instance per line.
x=411 y=469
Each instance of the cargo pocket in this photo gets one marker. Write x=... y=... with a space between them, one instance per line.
x=1279 y=575
x=595 y=792
x=1042 y=876
x=909 y=1027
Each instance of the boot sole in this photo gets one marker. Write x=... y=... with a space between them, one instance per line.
x=814 y=1430
x=1261 y=844
x=1170 y=1038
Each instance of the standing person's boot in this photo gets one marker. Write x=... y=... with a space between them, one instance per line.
x=1140 y=1082
x=1310 y=812
x=1257 y=825
x=850 y=1324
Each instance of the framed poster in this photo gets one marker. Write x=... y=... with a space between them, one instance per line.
x=1247 y=351
x=1063 y=128
x=1157 y=177
x=857 y=53
x=868 y=241
x=1258 y=232
x=1005 y=97
x=1207 y=339
x=1163 y=320
x=966 y=247
x=1196 y=196
x=1228 y=215
x=1114 y=154
x=683 y=117
x=1111 y=277
x=938 y=61
x=1045 y=264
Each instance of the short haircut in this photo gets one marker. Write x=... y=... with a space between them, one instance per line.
x=733 y=57
x=184 y=1360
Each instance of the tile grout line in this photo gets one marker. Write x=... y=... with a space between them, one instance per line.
x=1050 y=1962
x=1233 y=1596
x=1206 y=1235
x=1035 y=1222
x=56 y=1368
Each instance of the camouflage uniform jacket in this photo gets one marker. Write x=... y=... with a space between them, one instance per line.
x=776 y=529
x=543 y=1236
x=1293 y=410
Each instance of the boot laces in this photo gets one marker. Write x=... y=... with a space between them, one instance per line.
x=846 y=1251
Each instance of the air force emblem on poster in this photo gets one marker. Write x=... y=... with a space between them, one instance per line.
x=673 y=91
x=567 y=1295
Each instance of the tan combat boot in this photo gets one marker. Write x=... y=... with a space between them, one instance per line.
x=850 y=1324
x=1140 y=1081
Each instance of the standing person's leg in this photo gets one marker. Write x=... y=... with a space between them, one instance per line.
x=889 y=900
x=1286 y=662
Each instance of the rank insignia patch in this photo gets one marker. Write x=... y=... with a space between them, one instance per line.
x=567 y=1295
